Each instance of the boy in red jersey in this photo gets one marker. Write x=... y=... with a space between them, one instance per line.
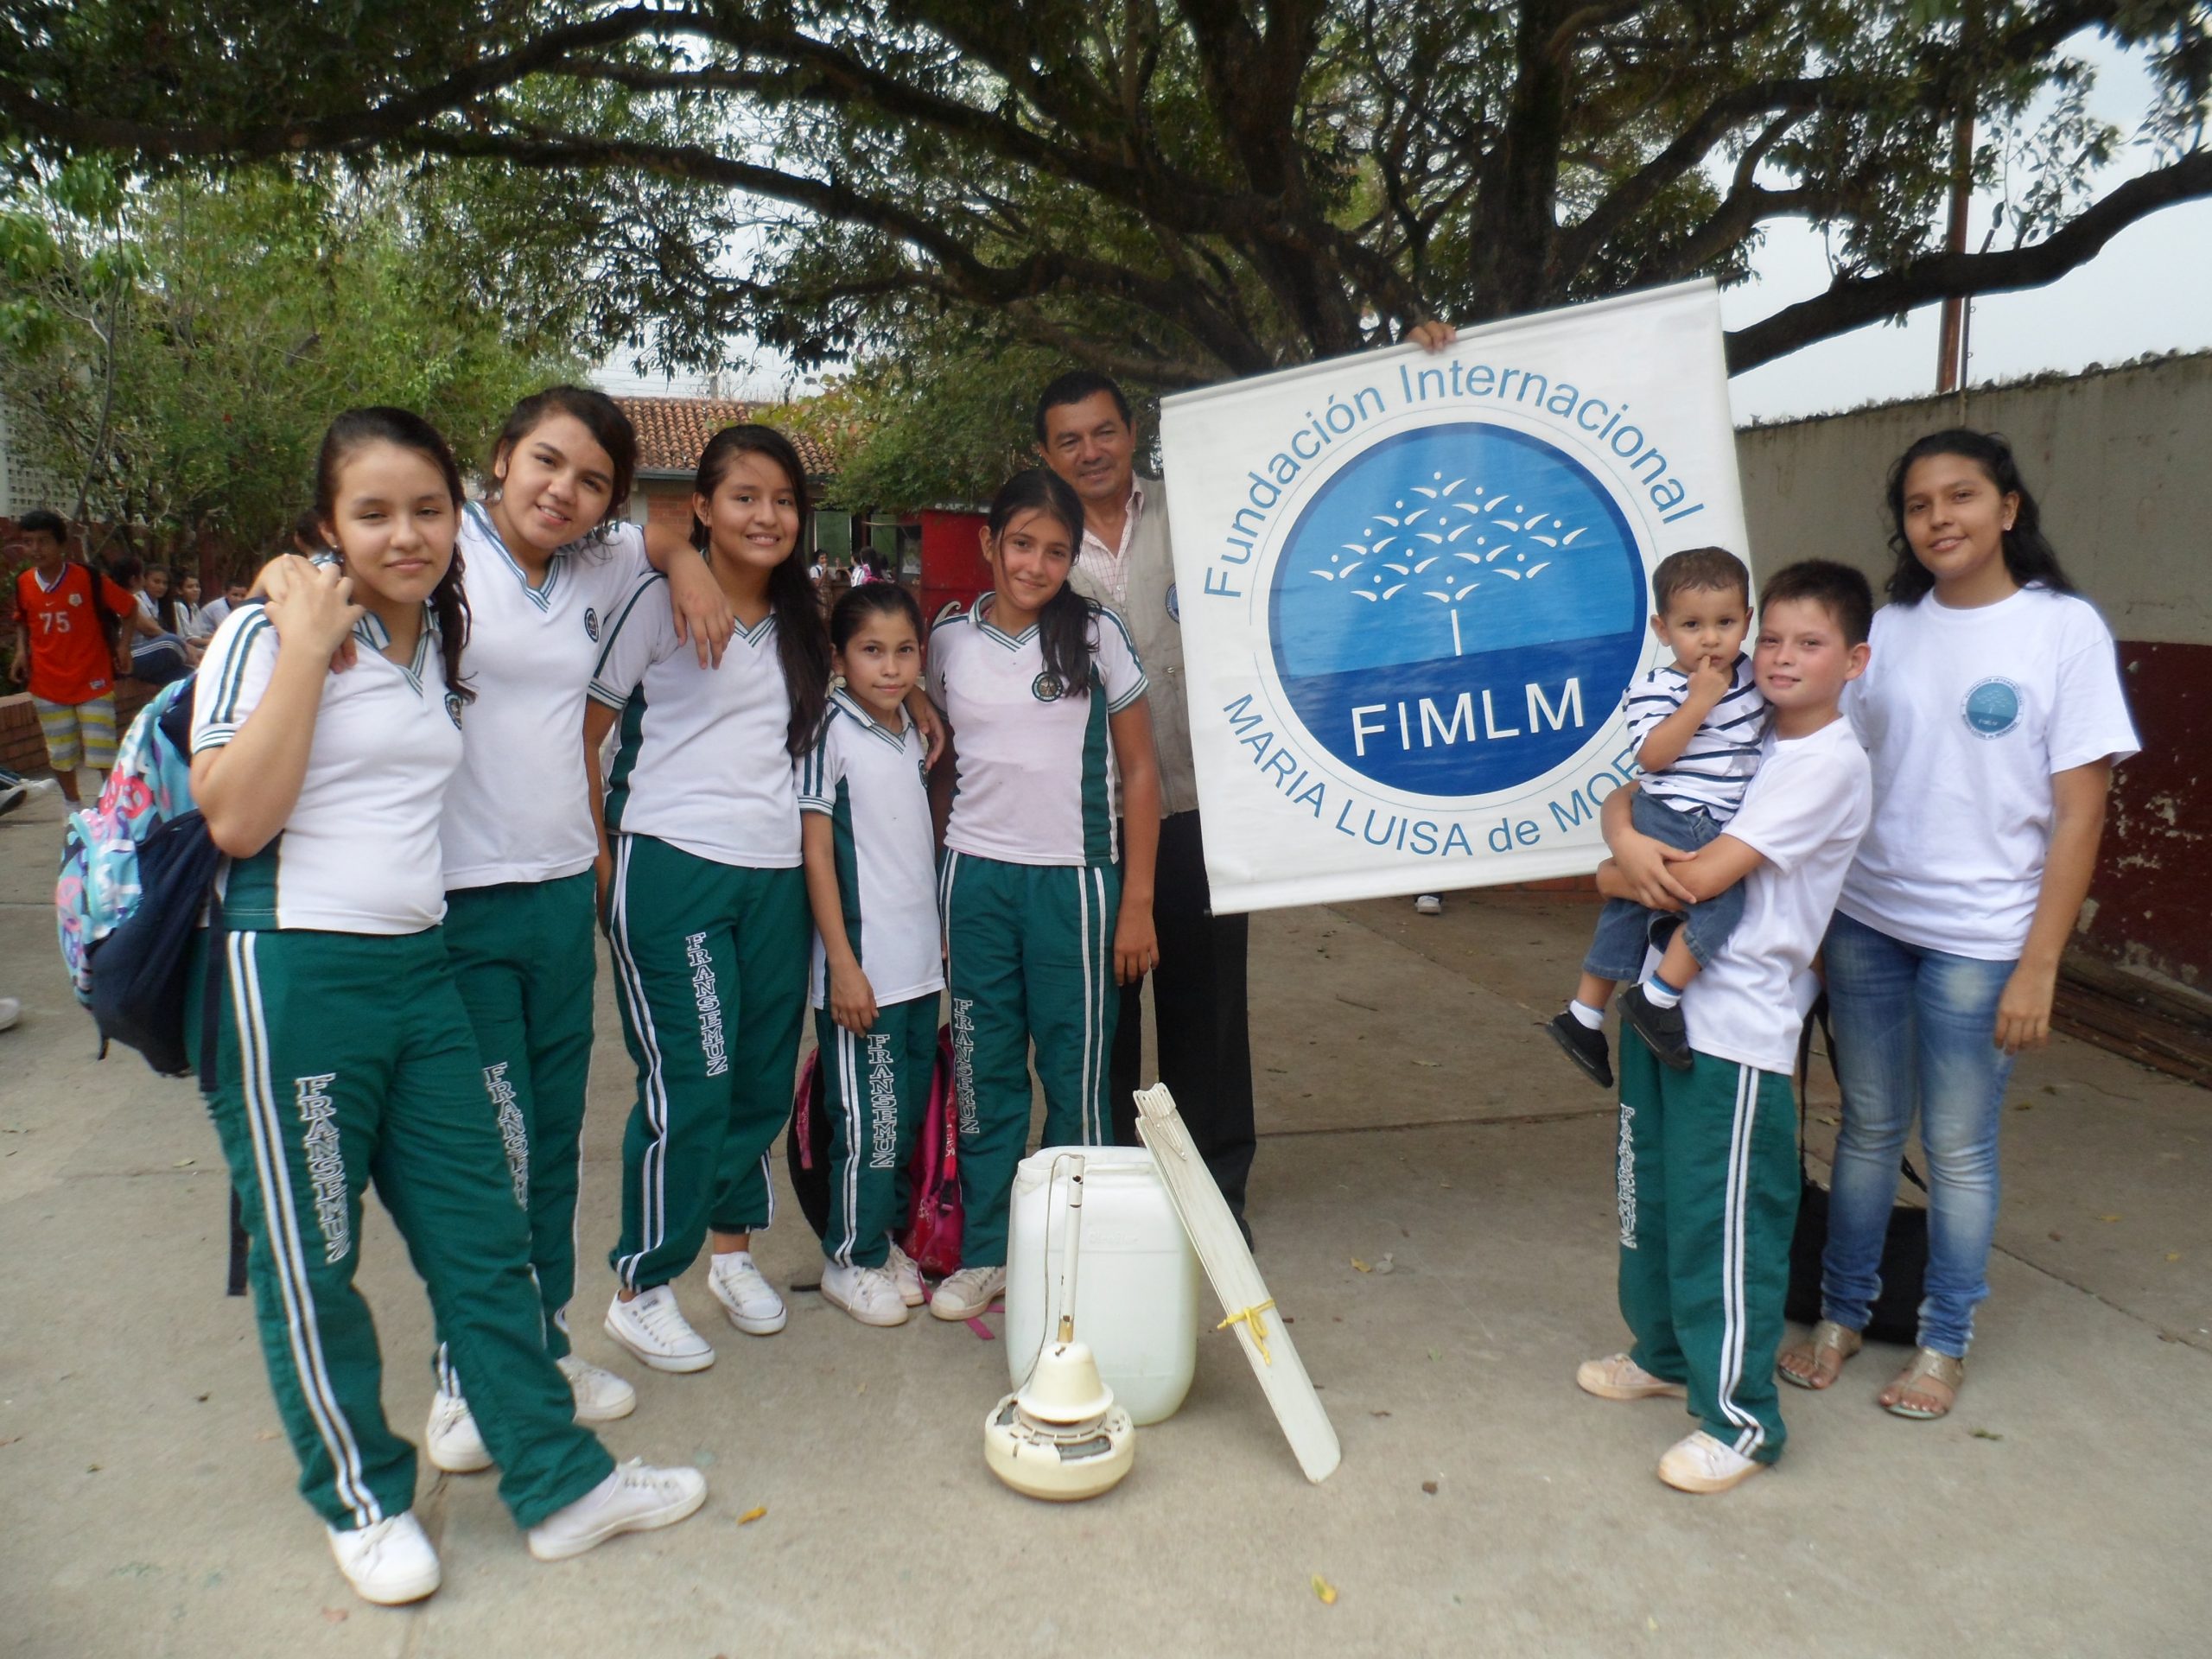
x=62 y=650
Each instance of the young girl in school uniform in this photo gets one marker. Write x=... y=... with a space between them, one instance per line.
x=1044 y=913
x=706 y=902
x=864 y=806
x=343 y=1053
x=548 y=561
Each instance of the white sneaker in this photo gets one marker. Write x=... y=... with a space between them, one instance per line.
x=1429 y=904
x=634 y=1498
x=600 y=1396
x=452 y=1440
x=390 y=1563
x=745 y=1294
x=1619 y=1377
x=14 y=791
x=1701 y=1463
x=10 y=1011
x=906 y=1273
x=869 y=1294
x=969 y=1293
x=652 y=1327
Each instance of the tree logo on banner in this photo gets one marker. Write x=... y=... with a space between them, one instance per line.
x=1456 y=610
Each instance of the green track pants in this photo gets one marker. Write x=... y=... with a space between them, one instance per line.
x=522 y=955
x=1708 y=1194
x=344 y=1059
x=877 y=1086
x=710 y=961
x=1031 y=956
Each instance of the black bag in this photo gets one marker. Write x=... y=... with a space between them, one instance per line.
x=139 y=972
x=1895 y=1316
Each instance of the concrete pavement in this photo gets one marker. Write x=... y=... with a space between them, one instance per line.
x=1409 y=1108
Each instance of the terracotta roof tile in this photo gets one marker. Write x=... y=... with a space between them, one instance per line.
x=671 y=431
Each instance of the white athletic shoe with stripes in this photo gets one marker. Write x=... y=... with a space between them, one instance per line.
x=652 y=1327
x=451 y=1437
x=869 y=1294
x=390 y=1563
x=1701 y=1464
x=968 y=1293
x=745 y=1294
x=906 y=1273
x=634 y=1498
x=601 y=1396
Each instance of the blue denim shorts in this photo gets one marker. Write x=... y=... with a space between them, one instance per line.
x=1623 y=931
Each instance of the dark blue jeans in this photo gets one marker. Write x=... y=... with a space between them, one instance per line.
x=1623 y=932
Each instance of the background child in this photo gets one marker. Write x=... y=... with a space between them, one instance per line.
x=863 y=797
x=707 y=910
x=63 y=610
x=1707 y=1175
x=1045 y=699
x=1697 y=722
x=344 y=1055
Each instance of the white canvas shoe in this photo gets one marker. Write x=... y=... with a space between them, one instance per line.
x=600 y=1396
x=451 y=1437
x=869 y=1294
x=1701 y=1463
x=634 y=1498
x=906 y=1273
x=967 y=1294
x=745 y=1294
x=390 y=1563
x=1619 y=1377
x=652 y=1327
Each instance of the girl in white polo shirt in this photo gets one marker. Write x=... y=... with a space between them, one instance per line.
x=879 y=969
x=1044 y=913
x=549 y=562
x=706 y=904
x=343 y=1053
x=1992 y=714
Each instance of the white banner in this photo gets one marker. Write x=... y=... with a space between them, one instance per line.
x=1414 y=587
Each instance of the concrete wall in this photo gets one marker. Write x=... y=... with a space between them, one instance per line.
x=2121 y=463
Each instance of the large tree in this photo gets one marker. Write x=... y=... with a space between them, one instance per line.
x=1177 y=190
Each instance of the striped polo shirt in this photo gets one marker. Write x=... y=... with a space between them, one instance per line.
x=1712 y=773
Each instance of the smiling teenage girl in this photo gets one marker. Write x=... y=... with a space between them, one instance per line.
x=706 y=905
x=1044 y=913
x=344 y=1055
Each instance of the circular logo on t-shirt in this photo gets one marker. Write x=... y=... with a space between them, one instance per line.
x=1175 y=605
x=1992 y=707
x=591 y=624
x=76 y=599
x=453 y=708
x=1046 y=688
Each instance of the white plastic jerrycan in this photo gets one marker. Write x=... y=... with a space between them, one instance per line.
x=1137 y=1295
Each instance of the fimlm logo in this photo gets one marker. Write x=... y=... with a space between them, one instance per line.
x=1457 y=611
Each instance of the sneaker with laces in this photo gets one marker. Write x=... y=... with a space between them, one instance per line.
x=969 y=1293
x=1586 y=1047
x=906 y=1273
x=869 y=1294
x=745 y=1294
x=451 y=1437
x=1429 y=904
x=634 y=1498
x=390 y=1563
x=1664 y=1029
x=600 y=1396
x=1701 y=1464
x=1621 y=1378
x=652 y=1327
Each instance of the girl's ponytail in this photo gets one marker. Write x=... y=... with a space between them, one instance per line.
x=2028 y=556
x=1066 y=626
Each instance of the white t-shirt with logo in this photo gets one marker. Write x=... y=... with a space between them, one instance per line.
x=359 y=852
x=872 y=783
x=1966 y=714
x=1035 y=775
x=701 y=763
x=1804 y=813
x=517 y=810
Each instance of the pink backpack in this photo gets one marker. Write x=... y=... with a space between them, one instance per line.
x=931 y=1232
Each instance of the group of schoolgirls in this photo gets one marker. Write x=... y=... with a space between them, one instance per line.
x=1905 y=804
x=398 y=750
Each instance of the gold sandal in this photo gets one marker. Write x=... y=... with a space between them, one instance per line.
x=1936 y=1368
x=1828 y=1337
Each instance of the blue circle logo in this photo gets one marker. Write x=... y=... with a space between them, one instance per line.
x=1174 y=609
x=591 y=624
x=1457 y=611
x=1046 y=688
x=1992 y=707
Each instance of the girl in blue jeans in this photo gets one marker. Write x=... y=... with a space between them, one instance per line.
x=1992 y=714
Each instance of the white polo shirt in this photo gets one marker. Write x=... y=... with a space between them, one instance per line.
x=518 y=809
x=359 y=852
x=1036 y=782
x=873 y=785
x=1803 y=813
x=701 y=764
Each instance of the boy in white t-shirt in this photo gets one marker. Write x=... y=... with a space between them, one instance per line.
x=1696 y=722
x=1707 y=1174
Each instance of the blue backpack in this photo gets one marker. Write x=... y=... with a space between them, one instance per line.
x=138 y=871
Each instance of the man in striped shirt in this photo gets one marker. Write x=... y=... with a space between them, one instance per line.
x=1697 y=723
